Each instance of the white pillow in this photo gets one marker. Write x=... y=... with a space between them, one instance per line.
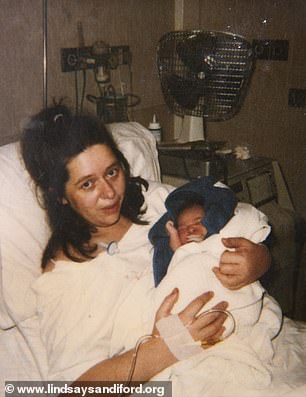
x=23 y=227
x=23 y=235
x=131 y=136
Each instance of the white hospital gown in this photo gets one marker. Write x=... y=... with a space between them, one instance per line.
x=77 y=303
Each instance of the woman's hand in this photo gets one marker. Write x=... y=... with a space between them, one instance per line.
x=208 y=328
x=244 y=264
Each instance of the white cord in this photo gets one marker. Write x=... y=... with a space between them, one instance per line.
x=139 y=342
x=227 y=313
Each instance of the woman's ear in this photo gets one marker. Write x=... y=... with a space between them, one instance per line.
x=64 y=201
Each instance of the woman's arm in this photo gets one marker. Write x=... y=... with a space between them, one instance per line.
x=244 y=264
x=154 y=355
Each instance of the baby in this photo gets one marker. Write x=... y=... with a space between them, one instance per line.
x=188 y=226
x=187 y=244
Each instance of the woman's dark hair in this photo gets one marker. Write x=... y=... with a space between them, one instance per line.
x=50 y=140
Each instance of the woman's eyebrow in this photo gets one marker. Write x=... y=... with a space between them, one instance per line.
x=114 y=164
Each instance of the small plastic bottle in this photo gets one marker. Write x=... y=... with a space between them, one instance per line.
x=155 y=129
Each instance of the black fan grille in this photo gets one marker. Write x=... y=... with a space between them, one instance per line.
x=204 y=74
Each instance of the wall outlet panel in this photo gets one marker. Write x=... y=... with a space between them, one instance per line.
x=296 y=97
x=123 y=53
x=74 y=59
x=273 y=50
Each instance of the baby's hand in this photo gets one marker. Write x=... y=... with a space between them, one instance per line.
x=175 y=242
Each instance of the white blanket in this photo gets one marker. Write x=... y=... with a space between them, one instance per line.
x=244 y=356
x=190 y=270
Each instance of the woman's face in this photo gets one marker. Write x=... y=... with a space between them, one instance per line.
x=96 y=185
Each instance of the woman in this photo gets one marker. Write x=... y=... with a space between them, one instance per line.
x=91 y=200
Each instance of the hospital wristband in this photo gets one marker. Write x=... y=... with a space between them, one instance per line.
x=177 y=337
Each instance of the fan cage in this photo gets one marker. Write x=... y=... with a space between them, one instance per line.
x=212 y=68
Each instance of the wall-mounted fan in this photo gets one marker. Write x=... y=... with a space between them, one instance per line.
x=203 y=76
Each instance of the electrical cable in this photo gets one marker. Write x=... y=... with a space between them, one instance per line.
x=83 y=90
x=131 y=112
x=79 y=103
x=45 y=54
x=76 y=92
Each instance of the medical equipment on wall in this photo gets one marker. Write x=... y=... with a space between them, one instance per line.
x=112 y=107
x=113 y=104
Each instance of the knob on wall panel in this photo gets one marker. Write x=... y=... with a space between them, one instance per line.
x=273 y=50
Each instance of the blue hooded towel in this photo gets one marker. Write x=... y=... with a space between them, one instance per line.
x=219 y=204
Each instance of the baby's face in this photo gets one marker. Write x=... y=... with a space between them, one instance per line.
x=189 y=224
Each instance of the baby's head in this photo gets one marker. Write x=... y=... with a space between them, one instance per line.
x=188 y=222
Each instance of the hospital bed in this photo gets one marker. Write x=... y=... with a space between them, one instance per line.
x=23 y=235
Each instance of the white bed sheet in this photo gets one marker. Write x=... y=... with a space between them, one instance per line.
x=21 y=357
x=24 y=362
